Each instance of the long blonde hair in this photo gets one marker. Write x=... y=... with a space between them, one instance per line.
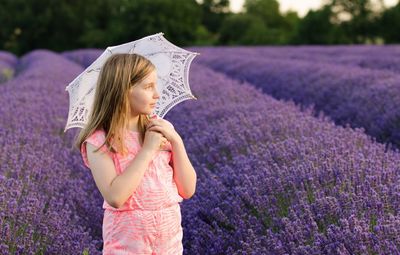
x=111 y=108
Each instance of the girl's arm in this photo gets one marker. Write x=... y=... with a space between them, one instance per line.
x=114 y=188
x=184 y=173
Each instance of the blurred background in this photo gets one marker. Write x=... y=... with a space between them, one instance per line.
x=71 y=24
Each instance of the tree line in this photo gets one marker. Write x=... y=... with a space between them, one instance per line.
x=71 y=24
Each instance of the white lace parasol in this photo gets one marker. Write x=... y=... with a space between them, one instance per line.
x=172 y=65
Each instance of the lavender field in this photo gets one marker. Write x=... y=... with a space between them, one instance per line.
x=274 y=176
x=356 y=85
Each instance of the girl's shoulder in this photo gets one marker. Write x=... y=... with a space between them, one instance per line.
x=99 y=133
x=97 y=138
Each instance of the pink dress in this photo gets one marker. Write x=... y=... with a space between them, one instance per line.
x=149 y=222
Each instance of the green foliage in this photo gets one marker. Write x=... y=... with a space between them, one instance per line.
x=361 y=24
x=213 y=14
x=178 y=19
x=70 y=24
x=267 y=10
x=63 y=25
x=56 y=25
x=204 y=37
x=262 y=23
x=389 y=24
x=243 y=29
x=316 y=28
x=289 y=27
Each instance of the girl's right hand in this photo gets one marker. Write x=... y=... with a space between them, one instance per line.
x=153 y=140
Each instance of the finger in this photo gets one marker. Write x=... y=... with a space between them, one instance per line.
x=149 y=125
x=157 y=129
x=154 y=128
x=153 y=124
x=154 y=121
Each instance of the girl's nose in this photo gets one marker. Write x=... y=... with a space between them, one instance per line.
x=156 y=95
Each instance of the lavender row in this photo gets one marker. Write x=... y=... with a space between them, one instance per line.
x=8 y=62
x=275 y=180
x=363 y=98
x=83 y=57
x=384 y=57
x=45 y=204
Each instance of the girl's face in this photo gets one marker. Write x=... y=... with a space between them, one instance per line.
x=144 y=96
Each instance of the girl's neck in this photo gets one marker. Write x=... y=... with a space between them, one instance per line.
x=133 y=123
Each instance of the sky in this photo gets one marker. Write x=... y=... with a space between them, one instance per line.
x=300 y=6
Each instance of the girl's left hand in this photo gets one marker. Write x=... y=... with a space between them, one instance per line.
x=164 y=127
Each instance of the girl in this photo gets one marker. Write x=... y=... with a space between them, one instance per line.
x=139 y=164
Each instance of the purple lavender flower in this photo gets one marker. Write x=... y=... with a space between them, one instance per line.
x=83 y=57
x=352 y=85
x=272 y=178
